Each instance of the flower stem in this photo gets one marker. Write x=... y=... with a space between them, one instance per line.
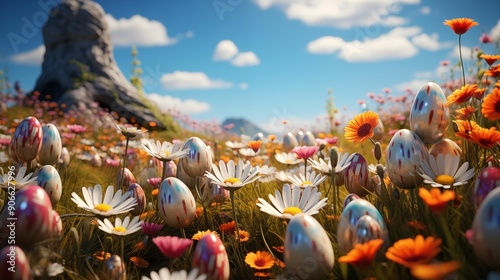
x=231 y=195
x=164 y=171
x=183 y=233
x=461 y=60
x=124 y=163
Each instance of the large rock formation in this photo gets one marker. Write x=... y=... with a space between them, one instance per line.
x=79 y=66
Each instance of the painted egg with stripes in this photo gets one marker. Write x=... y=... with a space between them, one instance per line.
x=176 y=203
x=308 y=251
x=357 y=175
x=27 y=139
x=210 y=257
x=48 y=178
x=404 y=155
x=352 y=213
x=367 y=228
x=137 y=192
x=199 y=158
x=51 y=147
x=429 y=115
x=486 y=230
x=445 y=146
x=289 y=142
x=14 y=264
x=486 y=181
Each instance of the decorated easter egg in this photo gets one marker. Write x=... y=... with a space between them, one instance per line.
x=57 y=226
x=171 y=169
x=14 y=264
x=128 y=178
x=210 y=258
x=259 y=137
x=366 y=229
x=199 y=158
x=404 y=155
x=176 y=203
x=357 y=175
x=33 y=211
x=189 y=181
x=349 y=198
x=27 y=139
x=114 y=268
x=289 y=142
x=308 y=139
x=51 y=148
x=308 y=252
x=50 y=181
x=445 y=146
x=213 y=193
x=349 y=218
x=429 y=115
x=486 y=181
x=137 y=192
x=378 y=132
x=65 y=157
x=486 y=230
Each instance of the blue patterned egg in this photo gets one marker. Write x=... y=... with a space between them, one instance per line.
x=289 y=142
x=367 y=228
x=357 y=176
x=184 y=177
x=445 y=146
x=346 y=231
x=404 y=155
x=51 y=148
x=176 y=203
x=486 y=181
x=429 y=115
x=114 y=268
x=50 y=181
x=137 y=192
x=199 y=158
x=349 y=198
x=486 y=230
x=308 y=252
x=210 y=257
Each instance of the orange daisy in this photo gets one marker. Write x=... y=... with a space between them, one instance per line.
x=463 y=128
x=490 y=59
x=228 y=227
x=486 y=138
x=410 y=252
x=438 y=270
x=479 y=93
x=244 y=235
x=435 y=199
x=494 y=71
x=102 y=255
x=361 y=127
x=461 y=95
x=491 y=105
x=254 y=145
x=139 y=262
x=259 y=260
x=460 y=25
x=362 y=255
x=200 y=234
x=464 y=113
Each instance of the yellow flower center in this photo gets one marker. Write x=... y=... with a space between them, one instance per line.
x=288 y=160
x=103 y=207
x=444 y=179
x=232 y=180
x=306 y=183
x=292 y=210
x=120 y=229
x=165 y=153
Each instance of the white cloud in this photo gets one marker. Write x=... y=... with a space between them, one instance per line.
x=243 y=86
x=467 y=53
x=325 y=45
x=495 y=31
x=33 y=57
x=225 y=50
x=341 y=13
x=427 y=42
x=243 y=59
x=414 y=85
x=187 y=106
x=425 y=10
x=139 y=31
x=183 y=80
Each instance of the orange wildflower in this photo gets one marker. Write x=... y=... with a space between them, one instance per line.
x=155 y=192
x=435 y=199
x=254 y=145
x=198 y=212
x=228 y=227
x=494 y=72
x=479 y=93
x=139 y=246
x=410 y=252
x=244 y=235
x=361 y=127
x=139 y=262
x=362 y=255
x=486 y=138
x=259 y=260
x=460 y=25
x=463 y=128
x=435 y=270
x=490 y=59
x=491 y=105
x=261 y=274
x=461 y=95
x=280 y=249
x=200 y=234
x=465 y=113
x=102 y=256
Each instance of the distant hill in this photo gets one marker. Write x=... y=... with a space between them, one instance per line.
x=240 y=126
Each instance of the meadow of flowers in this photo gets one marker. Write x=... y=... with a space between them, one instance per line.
x=407 y=194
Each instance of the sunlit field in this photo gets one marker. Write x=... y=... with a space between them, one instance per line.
x=406 y=191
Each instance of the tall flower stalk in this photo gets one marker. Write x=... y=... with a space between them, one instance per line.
x=129 y=133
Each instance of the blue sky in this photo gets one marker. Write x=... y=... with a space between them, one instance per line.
x=266 y=60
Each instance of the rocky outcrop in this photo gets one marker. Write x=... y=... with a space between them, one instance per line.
x=79 y=67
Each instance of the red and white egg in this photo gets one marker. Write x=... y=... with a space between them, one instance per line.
x=27 y=139
x=210 y=257
x=357 y=176
x=48 y=178
x=445 y=146
x=137 y=192
x=486 y=181
x=51 y=147
x=14 y=264
x=176 y=203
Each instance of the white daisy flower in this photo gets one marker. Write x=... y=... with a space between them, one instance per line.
x=53 y=269
x=129 y=131
x=166 y=151
x=282 y=176
x=235 y=145
x=165 y=274
x=112 y=204
x=294 y=200
x=343 y=161
x=231 y=176
x=247 y=152
x=310 y=180
x=17 y=179
x=120 y=227
x=266 y=173
x=287 y=158
x=443 y=172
